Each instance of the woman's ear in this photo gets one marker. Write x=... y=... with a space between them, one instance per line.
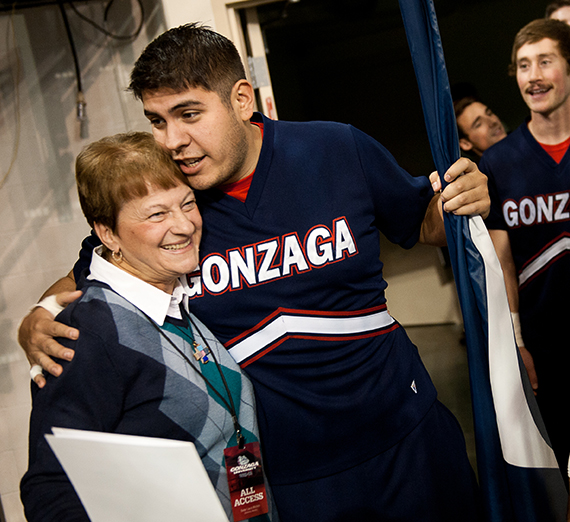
x=107 y=236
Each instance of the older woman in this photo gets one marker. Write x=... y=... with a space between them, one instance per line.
x=143 y=365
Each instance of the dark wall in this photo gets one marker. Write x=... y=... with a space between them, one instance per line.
x=348 y=61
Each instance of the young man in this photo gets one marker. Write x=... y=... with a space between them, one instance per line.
x=478 y=126
x=529 y=183
x=292 y=284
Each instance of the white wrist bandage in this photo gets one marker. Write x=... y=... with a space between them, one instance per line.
x=50 y=304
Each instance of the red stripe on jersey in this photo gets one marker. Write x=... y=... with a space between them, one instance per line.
x=291 y=311
x=318 y=338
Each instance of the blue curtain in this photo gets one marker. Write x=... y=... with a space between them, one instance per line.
x=517 y=471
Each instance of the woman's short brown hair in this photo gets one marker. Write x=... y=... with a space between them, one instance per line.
x=538 y=30
x=117 y=169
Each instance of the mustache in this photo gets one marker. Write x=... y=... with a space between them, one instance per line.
x=538 y=87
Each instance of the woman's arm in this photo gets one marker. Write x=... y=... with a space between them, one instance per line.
x=88 y=395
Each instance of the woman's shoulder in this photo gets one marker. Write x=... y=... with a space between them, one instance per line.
x=97 y=306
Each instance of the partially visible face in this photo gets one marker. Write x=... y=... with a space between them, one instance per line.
x=159 y=236
x=562 y=14
x=206 y=137
x=482 y=127
x=543 y=76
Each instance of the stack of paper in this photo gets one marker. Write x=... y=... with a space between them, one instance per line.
x=126 y=478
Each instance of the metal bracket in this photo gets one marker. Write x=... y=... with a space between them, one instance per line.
x=258 y=70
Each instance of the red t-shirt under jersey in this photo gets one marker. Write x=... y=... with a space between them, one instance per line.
x=557 y=151
x=240 y=188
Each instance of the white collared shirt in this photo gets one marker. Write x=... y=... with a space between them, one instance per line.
x=154 y=302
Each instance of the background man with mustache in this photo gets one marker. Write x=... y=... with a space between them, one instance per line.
x=529 y=184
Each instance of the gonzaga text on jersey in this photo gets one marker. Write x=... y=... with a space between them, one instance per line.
x=275 y=258
x=536 y=210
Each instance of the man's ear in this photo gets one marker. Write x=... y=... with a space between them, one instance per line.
x=243 y=99
x=465 y=144
x=107 y=236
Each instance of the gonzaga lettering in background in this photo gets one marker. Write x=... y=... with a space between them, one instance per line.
x=536 y=210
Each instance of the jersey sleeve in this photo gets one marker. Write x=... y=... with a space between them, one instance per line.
x=82 y=264
x=400 y=200
x=87 y=396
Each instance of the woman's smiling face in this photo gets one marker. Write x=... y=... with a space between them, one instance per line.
x=158 y=236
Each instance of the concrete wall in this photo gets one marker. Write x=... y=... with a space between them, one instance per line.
x=42 y=224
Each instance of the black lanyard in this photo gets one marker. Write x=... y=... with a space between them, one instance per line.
x=229 y=405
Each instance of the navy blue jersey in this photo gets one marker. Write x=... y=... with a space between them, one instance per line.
x=530 y=199
x=291 y=282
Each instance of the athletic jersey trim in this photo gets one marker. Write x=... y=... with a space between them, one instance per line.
x=551 y=252
x=284 y=324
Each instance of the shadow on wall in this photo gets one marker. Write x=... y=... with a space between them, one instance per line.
x=2 y=517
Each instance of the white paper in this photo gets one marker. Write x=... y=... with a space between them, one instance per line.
x=126 y=478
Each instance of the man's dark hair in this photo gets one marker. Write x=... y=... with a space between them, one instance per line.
x=459 y=106
x=187 y=57
x=536 y=31
x=554 y=6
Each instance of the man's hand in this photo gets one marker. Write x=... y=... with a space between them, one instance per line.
x=468 y=194
x=36 y=337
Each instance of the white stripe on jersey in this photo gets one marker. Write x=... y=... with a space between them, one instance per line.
x=286 y=324
x=544 y=258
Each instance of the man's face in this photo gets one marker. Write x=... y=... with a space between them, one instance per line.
x=207 y=138
x=543 y=76
x=481 y=126
x=562 y=14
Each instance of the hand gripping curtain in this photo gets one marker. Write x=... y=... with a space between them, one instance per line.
x=517 y=470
